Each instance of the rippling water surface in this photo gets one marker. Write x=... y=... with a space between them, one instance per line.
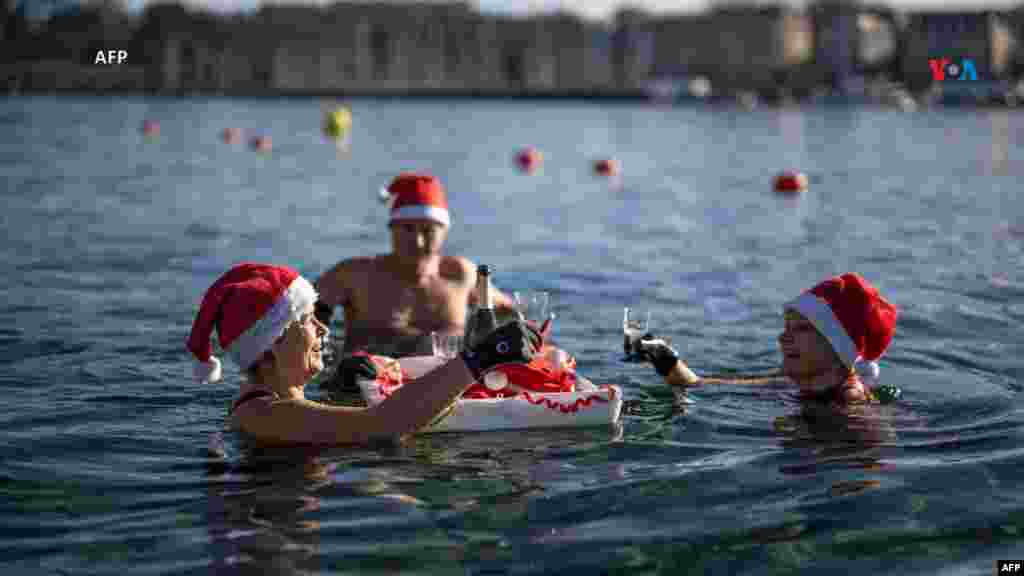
x=109 y=241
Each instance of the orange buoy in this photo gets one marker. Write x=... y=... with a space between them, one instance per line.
x=260 y=143
x=790 y=182
x=606 y=167
x=529 y=159
x=231 y=135
x=150 y=128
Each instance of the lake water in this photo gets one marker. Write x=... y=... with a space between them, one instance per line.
x=110 y=239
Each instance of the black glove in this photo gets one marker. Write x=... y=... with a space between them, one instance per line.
x=323 y=312
x=657 y=352
x=515 y=342
x=349 y=369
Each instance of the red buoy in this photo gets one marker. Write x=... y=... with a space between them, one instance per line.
x=260 y=143
x=231 y=135
x=606 y=167
x=529 y=159
x=791 y=182
x=150 y=128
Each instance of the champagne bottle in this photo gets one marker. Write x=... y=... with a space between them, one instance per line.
x=484 y=321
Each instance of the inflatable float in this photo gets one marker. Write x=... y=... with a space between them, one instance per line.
x=547 y=393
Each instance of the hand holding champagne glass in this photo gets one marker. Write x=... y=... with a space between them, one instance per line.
x=632 y=330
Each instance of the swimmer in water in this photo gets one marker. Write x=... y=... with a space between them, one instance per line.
x=832 y=337
x=392 y=302
x=265 y=321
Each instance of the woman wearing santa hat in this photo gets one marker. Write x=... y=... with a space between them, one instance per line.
x=833 y=336
x=265 y=321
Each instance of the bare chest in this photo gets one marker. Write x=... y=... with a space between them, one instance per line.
x=402 y=308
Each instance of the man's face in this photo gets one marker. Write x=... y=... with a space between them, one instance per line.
x=416 y=238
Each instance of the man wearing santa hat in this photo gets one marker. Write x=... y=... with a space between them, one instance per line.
x=833 y=336
x=392 y=302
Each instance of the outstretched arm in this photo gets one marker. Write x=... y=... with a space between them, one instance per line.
x=676 y=373
x=410 y=408
x=302 y=421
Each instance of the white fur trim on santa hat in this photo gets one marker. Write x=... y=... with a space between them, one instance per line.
x=258 y=338
x=435 y=213
x=209 y=371
x=818 y=313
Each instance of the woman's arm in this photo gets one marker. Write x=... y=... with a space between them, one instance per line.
x=681 y=375
x=301 y=421
x=676 y=373
x=410 y=408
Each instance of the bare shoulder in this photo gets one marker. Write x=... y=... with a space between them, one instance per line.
x=337 y=285
x=344 y=267
x=350 y=269
x=294 y=421
x=361 y=264
x=458 y=269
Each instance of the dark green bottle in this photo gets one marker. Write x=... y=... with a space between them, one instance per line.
x=484 y=320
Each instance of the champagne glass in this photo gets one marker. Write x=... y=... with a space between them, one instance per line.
x=633 y=328
x=446 y=345
x=532 y=306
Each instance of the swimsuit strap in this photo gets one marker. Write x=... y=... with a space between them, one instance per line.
x=251 y=394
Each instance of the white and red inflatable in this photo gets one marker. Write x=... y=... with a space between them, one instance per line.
x=546 y=393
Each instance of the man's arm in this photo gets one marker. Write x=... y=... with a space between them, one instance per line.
x=503 y=303
x=335 y=285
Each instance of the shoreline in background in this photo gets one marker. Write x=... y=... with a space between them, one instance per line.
x=746 y=54
x=744 y=101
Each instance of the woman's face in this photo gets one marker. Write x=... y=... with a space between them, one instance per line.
x=805 y=352
x=300 y=349
x=417 y=238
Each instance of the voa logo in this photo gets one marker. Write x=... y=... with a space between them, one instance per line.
x=948 y=69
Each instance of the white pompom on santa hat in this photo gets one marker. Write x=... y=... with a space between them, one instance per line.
x=417 y=196
x=250 y=306
x=854 y=318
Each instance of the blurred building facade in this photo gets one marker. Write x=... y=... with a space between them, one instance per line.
x=447 y=48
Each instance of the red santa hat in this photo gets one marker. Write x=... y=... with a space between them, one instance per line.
x=854 y=318
x=419 y=196
x=251 y=305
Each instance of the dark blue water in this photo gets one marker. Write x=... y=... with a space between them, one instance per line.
x=109 y=241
